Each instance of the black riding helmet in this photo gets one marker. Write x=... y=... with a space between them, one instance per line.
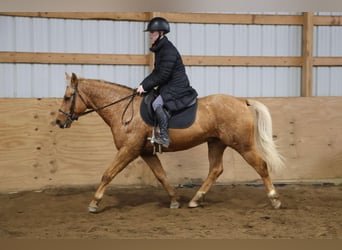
x=158 y=24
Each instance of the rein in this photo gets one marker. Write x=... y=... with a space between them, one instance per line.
x=71 y=116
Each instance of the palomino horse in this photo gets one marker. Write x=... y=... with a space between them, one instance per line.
x=221 y=121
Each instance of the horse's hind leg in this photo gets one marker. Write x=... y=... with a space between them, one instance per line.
x=154 y=163
x=215 y=153
x=253 y=158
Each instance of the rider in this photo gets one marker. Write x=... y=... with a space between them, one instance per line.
x=175 y=92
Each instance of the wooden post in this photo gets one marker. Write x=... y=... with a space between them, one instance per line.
x=151 y=55
x=307 y=54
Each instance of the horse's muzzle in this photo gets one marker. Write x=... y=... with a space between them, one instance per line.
x=65 y=124
x=59 y=123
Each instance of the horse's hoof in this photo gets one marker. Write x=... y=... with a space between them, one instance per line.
x=92 y=209
x=276 y=203
x=274 y=198
x=175 y=205
x=193 y=204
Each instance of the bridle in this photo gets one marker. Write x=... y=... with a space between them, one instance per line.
x=71 y=116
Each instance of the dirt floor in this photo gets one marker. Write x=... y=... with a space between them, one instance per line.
x=228 y=212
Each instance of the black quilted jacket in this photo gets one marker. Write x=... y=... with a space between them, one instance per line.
x=170 y=77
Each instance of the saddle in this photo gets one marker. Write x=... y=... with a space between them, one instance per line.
x=181 y=119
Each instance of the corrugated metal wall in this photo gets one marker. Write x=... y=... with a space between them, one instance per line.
x=122 y=37
x=327 y=81
x=71 y=36
x=241 y=40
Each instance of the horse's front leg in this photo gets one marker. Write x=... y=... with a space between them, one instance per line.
x=154 y=163
x=122 y=159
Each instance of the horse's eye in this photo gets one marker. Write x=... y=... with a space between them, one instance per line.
x=67 y=98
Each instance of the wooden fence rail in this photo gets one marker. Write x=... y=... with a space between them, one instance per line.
x=306 y=61
x=185 y=17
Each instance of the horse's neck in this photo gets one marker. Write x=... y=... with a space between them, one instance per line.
x=99 y=94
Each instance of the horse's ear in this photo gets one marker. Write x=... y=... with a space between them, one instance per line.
x=74 y=80
x=67 y=76
x=67 y=79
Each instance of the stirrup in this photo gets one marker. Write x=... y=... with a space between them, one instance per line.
x=152 y=139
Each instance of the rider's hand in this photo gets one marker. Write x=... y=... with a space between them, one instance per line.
x=140 y=90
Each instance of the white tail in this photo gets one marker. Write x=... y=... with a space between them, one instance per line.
x=264 y=137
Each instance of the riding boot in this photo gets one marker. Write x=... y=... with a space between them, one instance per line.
x=163 y=122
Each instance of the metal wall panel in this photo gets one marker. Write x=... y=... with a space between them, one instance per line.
x=40 y=80
x=123 y=37
x=246 y=81
x=241 y=40
x=237 y=40
x=327 y=81
x=25 y=34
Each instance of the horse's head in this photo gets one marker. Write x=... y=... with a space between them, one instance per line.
x=73 y=103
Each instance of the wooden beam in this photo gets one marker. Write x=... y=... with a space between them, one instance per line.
x=126 y=59
x=307 y=47
x=327 y=20
x=233 y=18
x=117 y=16
x=209 y=18
x=115 y=59
x=72 y=58
x=242 y=61
x=327 y=61
x=151 y=55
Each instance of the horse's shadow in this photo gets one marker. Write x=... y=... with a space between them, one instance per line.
x=123 y=199
x=127 y=199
